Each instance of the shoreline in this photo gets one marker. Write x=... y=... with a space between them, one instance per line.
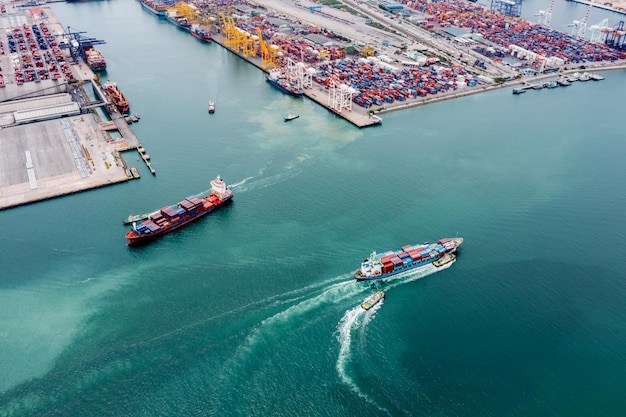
x=486 y=88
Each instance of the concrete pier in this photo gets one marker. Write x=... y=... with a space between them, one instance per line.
x=52 y=141
x=358 y=116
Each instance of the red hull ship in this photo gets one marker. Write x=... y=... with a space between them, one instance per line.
x=171 y=218
x=95 y=60
x=117 y=98
x=199 y=33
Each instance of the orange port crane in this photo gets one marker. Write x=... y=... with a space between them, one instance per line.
x=269 y=53
x=237 y=40
x=183 y=10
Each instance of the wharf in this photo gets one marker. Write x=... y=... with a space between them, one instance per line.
x=621 y=9
x=358 y=116
x=78 y=152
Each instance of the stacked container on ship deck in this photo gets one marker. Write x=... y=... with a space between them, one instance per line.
x=170 y=213
x=157 y=218
x=142 y=228
x=149 y=225
x=187 y=206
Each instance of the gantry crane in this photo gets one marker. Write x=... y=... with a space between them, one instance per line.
x=238 y=40
x=77 y=43
x=616 y=36
x=184 y=10
x=580 y=27
x=269 y=53
x=339 y=94
x=598 y=30
x=545 y=15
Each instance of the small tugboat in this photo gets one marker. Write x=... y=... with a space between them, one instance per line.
x=373 y=299
x=135 y=218
x=519 y=90
x=447 y=259
x=291 y=116
x=211 y=107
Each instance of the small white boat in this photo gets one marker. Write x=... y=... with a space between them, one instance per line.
x=563 y=82
x=211 y=107
x=291 y=116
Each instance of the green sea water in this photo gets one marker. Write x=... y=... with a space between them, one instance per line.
x=251 y=311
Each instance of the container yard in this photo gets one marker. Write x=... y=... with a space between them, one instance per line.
x=357 y=60
x=43 y=82
x=429 y=51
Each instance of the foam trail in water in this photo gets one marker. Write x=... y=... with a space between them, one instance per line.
x=328 y=292
x=350 y=321
x=304 y=292
x=272 y=180
x=237 y=184
x=334 y=294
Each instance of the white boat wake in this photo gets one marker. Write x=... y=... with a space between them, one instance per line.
x=285 y=319
x=303 y=301
x=351 y=320
x=237 y=184
x=357 y=319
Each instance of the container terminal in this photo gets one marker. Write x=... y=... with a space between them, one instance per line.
x=59 y=132
x=358 y=60
x=364 y=58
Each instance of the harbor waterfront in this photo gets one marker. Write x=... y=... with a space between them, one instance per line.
x=254 y=309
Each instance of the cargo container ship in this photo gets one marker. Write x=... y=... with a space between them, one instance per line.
x=284 y=85
x=180 y=21
x=117 y=98
x=408 y=258
x=172 y=217
x=200 y=33
x=95 y=60
x=155 y=7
